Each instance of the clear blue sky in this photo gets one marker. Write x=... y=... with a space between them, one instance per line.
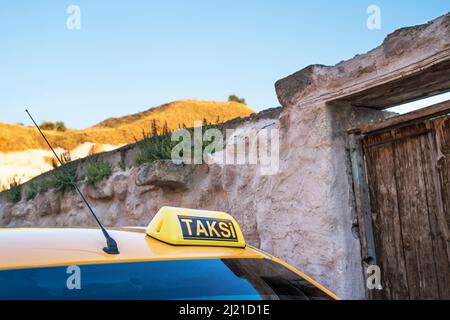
x=132 y=55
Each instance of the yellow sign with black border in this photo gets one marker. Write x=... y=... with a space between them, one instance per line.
x=181 y=226
x=202 y=228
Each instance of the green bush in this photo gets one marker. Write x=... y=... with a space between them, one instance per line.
x=61 y=179
x=32 y=191
x=122 y=165
x=156 y=146
x=49 y=125
x=64 y=177
x=37 y=187
x=98 y=170
x=235 y=98
x=14 y=193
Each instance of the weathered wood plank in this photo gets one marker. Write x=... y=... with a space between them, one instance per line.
x=406 y=88
x=442 y=164
x=389 y=243
x=442 y=127
x=362 y=200
x=405 y=119
x=436 y=215
x=363 y=213
x=413 y=208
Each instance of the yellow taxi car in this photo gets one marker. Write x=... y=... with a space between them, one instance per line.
x=182 y=254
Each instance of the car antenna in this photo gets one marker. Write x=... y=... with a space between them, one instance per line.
x=111 y=244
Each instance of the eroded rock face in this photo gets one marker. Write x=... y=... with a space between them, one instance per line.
x=103 y=190
x=165 y=174
x=5 y=213
x=48 y=203
x=120 y=186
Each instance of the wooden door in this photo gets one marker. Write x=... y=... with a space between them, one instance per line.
x=408 y=173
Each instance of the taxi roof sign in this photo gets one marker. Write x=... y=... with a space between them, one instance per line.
x=181 y=226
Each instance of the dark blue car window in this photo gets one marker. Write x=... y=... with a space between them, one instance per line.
x=250 y=279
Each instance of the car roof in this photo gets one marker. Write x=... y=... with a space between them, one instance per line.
x=34 y=247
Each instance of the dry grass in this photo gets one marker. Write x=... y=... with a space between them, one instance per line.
x=123 y=130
